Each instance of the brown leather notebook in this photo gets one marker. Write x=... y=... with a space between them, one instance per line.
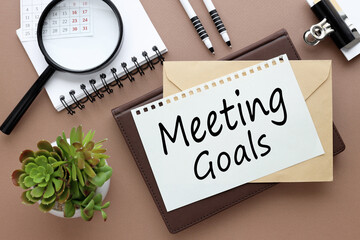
x=179 y=219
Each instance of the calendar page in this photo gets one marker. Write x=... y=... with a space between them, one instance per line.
x=68 y=19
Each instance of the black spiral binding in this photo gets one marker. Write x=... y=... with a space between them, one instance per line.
x=105 y=84
x=107 y=87
x=149 y=63
x=116 y=77
x=76 y=102
x=128 y=74
x=138 y=67
x=67 y=107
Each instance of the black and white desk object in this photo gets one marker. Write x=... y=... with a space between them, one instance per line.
x=336 y=24
x=217 y=21
x=198 y=25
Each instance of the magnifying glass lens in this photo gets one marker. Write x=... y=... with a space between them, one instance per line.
x=80 y=38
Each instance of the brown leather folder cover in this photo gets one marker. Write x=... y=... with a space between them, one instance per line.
x=179 y=219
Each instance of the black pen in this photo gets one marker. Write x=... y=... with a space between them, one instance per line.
x=218 y=22
x=198 y=25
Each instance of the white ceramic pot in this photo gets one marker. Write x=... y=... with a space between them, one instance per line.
x=103 y=190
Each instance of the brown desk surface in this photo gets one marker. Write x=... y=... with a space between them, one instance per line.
x=288 y=211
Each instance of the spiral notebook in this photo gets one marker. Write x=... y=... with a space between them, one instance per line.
x=142 y=48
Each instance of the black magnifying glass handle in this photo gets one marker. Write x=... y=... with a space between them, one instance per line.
x=26 y=101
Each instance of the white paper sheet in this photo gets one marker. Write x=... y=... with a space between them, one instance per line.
x=189 y=168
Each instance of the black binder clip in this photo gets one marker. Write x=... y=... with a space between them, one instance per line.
x=333 y=23
x=116 y=77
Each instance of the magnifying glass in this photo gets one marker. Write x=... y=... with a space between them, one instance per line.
x=72 y=39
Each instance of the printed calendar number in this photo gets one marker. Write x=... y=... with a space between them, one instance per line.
x=67 y=19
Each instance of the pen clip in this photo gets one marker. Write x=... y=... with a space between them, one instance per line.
x=318 y=32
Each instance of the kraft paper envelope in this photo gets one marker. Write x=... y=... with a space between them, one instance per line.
x=315 y=81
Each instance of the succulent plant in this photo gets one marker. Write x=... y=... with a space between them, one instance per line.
x=87 y=167
x=44 y=176
x=88 y=205
x=68 y=174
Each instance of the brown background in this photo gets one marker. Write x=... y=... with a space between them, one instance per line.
x=288 y=211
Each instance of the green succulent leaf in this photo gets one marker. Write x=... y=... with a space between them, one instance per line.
x=102 y=163
x=106 y=205
x=84 y=215
x=25 y=200
x=31 y=198
x=73 y=137
x=57 y=151
x=30 y=166
x=64 y=196
x=42 y=184
x=89 y=171
x=51 y=159
x=64 y=136
x=61 y=191
x=45 y=145
x=97 y=199
x=69 y=210
x=99 y=150
x=50 y=200
x=50 y=190
x=28 y=182
x=81 y=163
x=89 y=209
x=77 y=145
x=73 y=172
x=88 y=199
x=80 y=177
x=94 y=161
x=100 y=178
x=75 y=192
x=64 y=146
x=15 y=176
x=104 y=215
x=59 y=173
x=37 y=192
x=42 y=153
x=89 y=146
x=42 y=160
x=89 y=136
x=79 y=134
x=100 y=155
x=58 y=184
x=26 y=154
x=58 y=164
x=100 y=142
x=46 y=208
x=27 y=161
x=21 y=181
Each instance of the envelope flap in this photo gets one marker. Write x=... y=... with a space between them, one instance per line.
x=311 y=74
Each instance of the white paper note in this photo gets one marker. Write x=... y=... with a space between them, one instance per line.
x=209 y=139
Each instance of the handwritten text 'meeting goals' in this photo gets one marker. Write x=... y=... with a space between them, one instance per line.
x=246 y=111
